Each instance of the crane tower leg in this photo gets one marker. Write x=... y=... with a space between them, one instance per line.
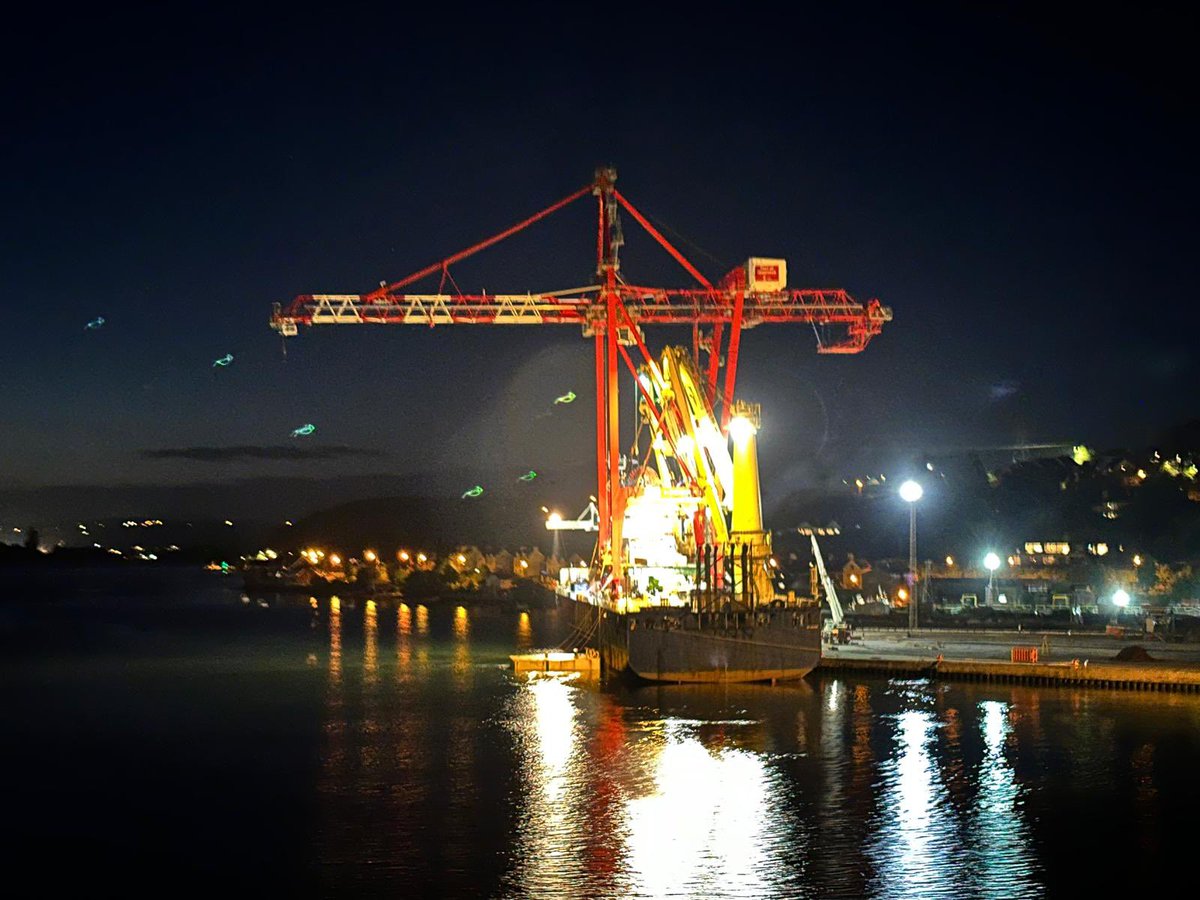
x=615 y=506
x=601 y=445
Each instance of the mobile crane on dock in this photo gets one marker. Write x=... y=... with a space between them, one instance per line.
x=835 y=629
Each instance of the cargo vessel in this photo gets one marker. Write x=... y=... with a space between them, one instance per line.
x=779 y=643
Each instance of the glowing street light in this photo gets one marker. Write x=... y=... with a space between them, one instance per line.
x=402 y=556
x=369 y=556
x=991 y=562
x=1120 y=598
x=910 y=492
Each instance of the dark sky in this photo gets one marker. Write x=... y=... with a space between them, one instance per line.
x=1020 y=190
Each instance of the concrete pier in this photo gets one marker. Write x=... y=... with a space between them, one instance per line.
x=1065 y=659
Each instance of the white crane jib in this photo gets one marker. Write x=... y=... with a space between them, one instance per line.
x=835 y=605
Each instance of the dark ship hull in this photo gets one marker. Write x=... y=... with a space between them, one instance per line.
x=777 y=643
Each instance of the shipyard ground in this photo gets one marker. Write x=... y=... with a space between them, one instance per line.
x=1087 y=659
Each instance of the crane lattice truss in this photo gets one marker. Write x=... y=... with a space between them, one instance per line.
x=612 y=313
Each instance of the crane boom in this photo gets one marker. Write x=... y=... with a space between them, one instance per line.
x=649 y=306
x=831 y=597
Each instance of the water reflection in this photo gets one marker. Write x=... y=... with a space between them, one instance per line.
x=671 y=806
x=915 y=850
x=1000 y=840
x=335 y=641
x=549 y=830
x=403 y=644
x=370 y=645
x=462 y=648
x=703 y=827
x=486 y=784
x=524 y=631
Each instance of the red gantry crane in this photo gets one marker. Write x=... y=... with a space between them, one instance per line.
x=613 y=313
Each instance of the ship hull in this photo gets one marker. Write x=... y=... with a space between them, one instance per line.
x=775 y=645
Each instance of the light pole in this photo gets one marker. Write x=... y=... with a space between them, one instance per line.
x=910 y=493
x=991 y=562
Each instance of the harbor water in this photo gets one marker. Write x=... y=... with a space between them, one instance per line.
x=163 y=732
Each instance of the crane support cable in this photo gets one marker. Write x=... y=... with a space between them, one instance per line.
x=482 y=245
x=667 y=245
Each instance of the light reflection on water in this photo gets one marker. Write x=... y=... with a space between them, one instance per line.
x=1002 y=866
x=680 y=817
x=460 y=776
x=832 y=789
x=343 y=748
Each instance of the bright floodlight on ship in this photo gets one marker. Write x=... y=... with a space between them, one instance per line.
x=686 y=446
x=1120 y=598
x=741 y=429
x=911 y=491
x=555 y=518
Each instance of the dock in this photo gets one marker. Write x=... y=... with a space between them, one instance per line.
x=1066 y=660
x=586 y=662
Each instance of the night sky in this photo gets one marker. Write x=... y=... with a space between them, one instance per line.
x=1021 y=191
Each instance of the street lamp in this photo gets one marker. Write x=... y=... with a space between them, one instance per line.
x=910 y=493
x=1120 y=599
x=991 y=562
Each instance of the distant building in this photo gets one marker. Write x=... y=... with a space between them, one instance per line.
x=501 y=563
x=467 y=558
x=853 y=573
